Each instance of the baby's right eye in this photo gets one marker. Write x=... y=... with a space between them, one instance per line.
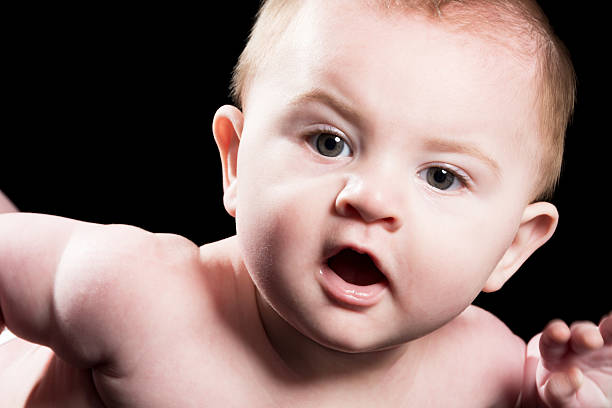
x=331 y=145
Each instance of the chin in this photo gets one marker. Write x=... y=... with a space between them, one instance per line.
x=352 y=342
x=356 y=349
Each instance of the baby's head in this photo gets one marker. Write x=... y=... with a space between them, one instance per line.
x=384 y=167
x=518 y=25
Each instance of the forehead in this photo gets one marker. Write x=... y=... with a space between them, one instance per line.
x=344 y=41
x=403 y=69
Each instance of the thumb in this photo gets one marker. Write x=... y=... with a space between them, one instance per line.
x=560 y=389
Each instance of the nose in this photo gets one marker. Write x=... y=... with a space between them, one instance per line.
x=371 y=201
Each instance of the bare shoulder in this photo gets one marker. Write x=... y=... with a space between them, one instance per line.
x=135 y=306
x=486 y=334
x=124 y=282
x=482 y=319
x=116 y=282
x=484 y=350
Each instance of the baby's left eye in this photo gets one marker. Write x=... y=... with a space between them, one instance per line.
x=331 y=145
x=442 y=178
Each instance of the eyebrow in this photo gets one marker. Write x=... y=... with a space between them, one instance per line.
x=318 y=95
x=450 y=146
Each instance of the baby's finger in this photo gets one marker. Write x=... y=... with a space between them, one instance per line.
x=6 y=205
x=560 y=389
x=605 y=328
x=585 y=336
x=554 y=341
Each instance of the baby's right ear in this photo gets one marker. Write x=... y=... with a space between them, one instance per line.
x=227 y=129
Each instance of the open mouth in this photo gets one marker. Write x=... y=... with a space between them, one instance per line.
x=355 y=268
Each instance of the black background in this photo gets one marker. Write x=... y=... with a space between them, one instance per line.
x=107 y=118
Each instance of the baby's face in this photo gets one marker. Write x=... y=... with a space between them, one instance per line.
x=389 y=136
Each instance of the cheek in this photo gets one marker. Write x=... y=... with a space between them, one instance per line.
x=450 y=262
x=279 y=221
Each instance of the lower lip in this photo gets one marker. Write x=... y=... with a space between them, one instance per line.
x=347 y=293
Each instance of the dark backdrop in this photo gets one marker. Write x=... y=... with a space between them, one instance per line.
x=107 y=118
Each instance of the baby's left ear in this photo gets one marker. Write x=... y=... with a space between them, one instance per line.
x=537 y=226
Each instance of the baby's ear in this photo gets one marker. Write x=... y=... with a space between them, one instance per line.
x=537 y=226
x=227 y=129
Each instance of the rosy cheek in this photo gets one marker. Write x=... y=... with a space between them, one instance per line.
x=439 y=266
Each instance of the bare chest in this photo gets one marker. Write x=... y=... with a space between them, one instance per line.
x=227 y=375
x=259 y=380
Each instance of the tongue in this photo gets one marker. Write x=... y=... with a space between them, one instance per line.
x=355 y=268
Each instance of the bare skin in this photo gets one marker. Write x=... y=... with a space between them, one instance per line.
x=121 y=362
x=6 y=205
x=194 y=311
x=360 y=141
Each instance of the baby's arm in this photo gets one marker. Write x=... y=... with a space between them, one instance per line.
x=6 y=206
x=35 y=302
x=109 y=298
x=77 y=287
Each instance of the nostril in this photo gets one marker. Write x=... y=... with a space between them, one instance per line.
x=348 y=211
x=368 y=203
x=391 y=223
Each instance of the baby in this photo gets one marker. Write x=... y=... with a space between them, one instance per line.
x=387 y=161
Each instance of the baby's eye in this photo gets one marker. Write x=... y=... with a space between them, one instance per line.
x=331 y=145
x=443 y=179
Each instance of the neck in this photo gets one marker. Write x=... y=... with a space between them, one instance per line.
x=312 y=362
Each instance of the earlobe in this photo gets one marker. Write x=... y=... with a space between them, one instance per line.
x=227 y=129
x=538 y=224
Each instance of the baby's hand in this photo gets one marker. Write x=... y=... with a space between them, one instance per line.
x=575 y=367
x=6 y=205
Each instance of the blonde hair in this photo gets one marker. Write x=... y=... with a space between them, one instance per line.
x=521 y=21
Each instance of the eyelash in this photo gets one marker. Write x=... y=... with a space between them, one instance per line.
x=311 y=135
x=459 y=174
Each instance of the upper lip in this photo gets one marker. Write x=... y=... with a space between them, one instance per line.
x=360 y=249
